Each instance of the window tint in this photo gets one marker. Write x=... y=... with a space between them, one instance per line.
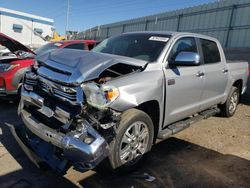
x=210 y=51
x=186 y=44
x=79 y=46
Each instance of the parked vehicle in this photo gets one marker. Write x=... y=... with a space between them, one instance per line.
x=116 y=100
x=15 y=60
x=71 y=44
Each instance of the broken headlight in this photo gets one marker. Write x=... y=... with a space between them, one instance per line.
x=99 y=96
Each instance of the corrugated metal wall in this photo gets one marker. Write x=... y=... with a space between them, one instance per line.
x=227 y=20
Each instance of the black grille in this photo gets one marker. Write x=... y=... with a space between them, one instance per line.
x=31 y=81
x=68 y=96
x=62 y=92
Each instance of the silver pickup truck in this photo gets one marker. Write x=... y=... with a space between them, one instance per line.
x=114 y=102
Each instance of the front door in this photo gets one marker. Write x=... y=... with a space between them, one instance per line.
x=184 y=84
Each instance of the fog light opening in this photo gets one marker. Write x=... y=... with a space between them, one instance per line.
x=88 y=140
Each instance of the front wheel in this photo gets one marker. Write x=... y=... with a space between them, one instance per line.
x=134 y=138
x=229 y=107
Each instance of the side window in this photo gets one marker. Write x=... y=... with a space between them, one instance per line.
x=79 y=46
x=186 y=44
x=17 y=28
x=210 y=51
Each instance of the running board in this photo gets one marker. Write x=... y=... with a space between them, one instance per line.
x=181 y=125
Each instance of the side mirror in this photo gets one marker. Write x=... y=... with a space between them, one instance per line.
x=186 y=59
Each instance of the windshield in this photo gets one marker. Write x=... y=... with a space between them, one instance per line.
x=142 y=46
x=47 y=47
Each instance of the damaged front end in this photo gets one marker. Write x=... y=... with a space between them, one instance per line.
x=67 y=124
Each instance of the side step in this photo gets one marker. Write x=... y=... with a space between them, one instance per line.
x=181 y=125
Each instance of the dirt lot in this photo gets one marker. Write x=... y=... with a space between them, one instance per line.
x=212 y=153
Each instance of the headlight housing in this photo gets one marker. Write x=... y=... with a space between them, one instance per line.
x=100 y=96
x=6 y=67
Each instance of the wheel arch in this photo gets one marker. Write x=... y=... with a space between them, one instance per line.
x=152 y=108
x=239 y=84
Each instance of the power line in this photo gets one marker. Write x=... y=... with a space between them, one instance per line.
x=132 y=8
x=124 y=4
x=111 y=9
x=103 y=5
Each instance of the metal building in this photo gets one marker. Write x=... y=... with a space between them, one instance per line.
x=227 y=20
x=25 y=28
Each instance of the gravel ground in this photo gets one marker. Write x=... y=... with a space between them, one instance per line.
x=211 y=153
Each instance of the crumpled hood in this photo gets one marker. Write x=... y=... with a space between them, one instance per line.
x=76 y=66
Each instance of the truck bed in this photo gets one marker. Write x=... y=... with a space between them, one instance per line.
x=239 y=70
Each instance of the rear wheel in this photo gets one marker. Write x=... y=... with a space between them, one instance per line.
x=229 y=107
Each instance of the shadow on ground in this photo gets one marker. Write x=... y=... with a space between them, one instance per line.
x=174 y=163
x=29 y=175
x=177 y=163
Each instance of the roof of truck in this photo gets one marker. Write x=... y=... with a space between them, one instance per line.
x=172 y=33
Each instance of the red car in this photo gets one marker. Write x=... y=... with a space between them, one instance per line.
x=13 y=64
x=18 y=59
x=72 y=44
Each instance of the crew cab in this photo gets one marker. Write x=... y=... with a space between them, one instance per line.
x=79 y=108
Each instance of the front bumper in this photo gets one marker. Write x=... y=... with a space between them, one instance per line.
x=6 y=89
x=58 y=149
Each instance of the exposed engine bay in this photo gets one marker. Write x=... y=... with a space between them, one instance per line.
x=75 y=119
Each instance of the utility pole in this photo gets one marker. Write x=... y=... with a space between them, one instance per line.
x=67 y=19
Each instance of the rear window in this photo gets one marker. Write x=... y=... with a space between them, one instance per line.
x=210 y=51
x=78 y=46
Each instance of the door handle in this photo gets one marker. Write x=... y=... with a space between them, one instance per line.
x=224 y=70
x=200 y=74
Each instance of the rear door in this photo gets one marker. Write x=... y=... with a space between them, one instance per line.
x=216 y=74
x=184 y=84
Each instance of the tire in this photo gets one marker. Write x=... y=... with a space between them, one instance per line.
x=229 y=107
x=126 y=153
